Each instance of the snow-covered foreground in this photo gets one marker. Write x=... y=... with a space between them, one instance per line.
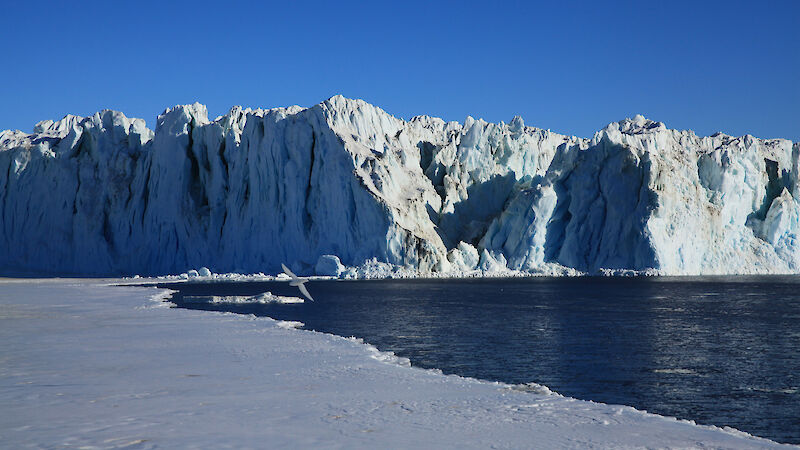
x=87 y=364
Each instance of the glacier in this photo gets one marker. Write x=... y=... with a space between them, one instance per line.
x=105 y=195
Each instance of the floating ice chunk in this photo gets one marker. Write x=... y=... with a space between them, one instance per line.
x=204 y=272
x=269 y=297
x=329 y=265
x=264 y=298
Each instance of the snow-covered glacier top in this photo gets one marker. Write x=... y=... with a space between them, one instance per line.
x=254 y=188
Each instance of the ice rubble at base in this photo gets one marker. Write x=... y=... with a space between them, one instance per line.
x=329 y=265
x=254 y=188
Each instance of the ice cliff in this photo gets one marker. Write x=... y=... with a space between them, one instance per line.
x=105 y=195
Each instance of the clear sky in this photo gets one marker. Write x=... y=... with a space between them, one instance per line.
x=569 y=66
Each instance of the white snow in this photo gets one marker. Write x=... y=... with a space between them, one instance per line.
x=254 y=188
x=289 y=324
x=84 y=364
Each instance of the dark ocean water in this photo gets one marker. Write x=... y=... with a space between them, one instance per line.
x=718 y=350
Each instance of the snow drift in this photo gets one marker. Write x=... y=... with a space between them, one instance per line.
x=104 y=195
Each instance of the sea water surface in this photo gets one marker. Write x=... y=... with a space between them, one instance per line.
x=721 y=351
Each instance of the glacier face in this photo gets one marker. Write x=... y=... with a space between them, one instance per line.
x=104 y=195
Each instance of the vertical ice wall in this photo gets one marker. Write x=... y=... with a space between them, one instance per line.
x=640 y=196
x=254 y=188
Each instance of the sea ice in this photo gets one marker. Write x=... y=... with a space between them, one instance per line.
x=93 y=365
x=263 y=298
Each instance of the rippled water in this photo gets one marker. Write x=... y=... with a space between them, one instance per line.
x=717 y=350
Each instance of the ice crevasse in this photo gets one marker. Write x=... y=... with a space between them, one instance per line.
x=104 y=195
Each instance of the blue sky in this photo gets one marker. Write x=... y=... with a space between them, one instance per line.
x=572 y=67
